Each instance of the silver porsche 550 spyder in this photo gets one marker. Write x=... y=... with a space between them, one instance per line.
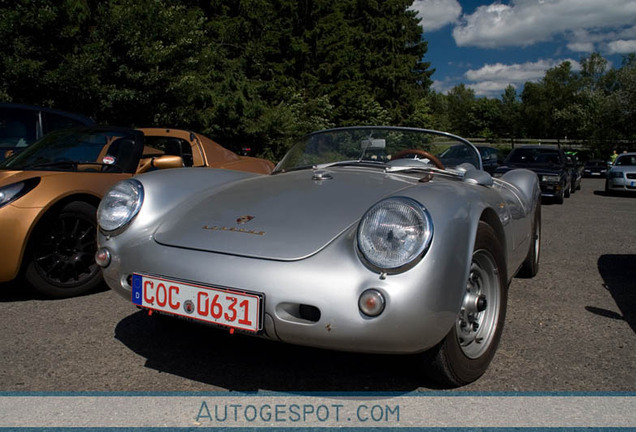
x=362 y=239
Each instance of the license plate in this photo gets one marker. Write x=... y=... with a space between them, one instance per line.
x=224 y=307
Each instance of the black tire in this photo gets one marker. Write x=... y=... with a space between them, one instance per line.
x=558 y=199
x=461 y=358
x=61 y=260
x=530 y=266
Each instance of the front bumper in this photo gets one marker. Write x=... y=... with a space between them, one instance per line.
x=421 y=304
x=621 y=184
x=551 y=190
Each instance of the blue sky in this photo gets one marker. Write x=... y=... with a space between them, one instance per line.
x=489 y=44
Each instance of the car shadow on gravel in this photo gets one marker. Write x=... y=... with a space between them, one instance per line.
x=619 y=276
x=245 y=363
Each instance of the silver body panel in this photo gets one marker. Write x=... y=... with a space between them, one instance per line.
x=300 y=248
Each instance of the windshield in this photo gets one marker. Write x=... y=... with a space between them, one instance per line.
x=378 y=146
x=86 y=149
x=626 y=160
x=535 y=156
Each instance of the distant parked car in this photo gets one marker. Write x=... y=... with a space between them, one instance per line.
x=491 y=158
x=622 y=174
x=595 y=168
x=576 y=171
x=549 y=163
x=50 y=191
x=21 y=125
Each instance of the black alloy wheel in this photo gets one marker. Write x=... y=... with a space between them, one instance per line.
x=62 y=255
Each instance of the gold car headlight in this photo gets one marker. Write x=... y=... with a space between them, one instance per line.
x=394 y=233
x=119 y=206
x=12 y=192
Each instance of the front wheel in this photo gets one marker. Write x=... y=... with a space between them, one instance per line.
x=62 y=255
x=465 y=353
x=530 y=266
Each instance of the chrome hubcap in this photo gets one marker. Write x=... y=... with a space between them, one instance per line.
x=477 y=321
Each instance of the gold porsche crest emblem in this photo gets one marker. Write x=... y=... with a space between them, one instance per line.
x=244 y=219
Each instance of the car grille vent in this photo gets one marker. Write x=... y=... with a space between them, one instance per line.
x=630 y=176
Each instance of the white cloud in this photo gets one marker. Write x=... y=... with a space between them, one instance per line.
x=435 y=14
x=489 y=88
x=525 y=22
x=586 y=47
x=491 y=79
x=622 y=46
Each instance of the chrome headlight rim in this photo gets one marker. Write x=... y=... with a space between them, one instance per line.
x=106 y=224
x=415 y=256
x=15 y=191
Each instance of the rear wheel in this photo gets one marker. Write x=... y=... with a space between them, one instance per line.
x=62 y=255
x=465 y=353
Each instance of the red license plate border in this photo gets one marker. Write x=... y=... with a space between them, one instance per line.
x=201 y=285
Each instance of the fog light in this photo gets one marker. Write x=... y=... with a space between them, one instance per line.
x=371 y=303
x=102 y=257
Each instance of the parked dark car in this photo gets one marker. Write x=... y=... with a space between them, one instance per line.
x=491 y=158
x=21 y=125
x=549 y=163
x=595 y=168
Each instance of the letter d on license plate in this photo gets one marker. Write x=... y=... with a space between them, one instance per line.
x=230 y=308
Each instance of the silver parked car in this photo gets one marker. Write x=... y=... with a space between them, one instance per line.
x=621 y=176
x=360 y=240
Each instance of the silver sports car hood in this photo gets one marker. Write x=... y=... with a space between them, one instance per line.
x=284 y=217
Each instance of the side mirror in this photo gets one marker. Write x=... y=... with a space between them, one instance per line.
x=160 y=162
x=167 y=161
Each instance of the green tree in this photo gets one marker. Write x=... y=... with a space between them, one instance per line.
x=247 y=72
x=511 y=114
x=461 y=106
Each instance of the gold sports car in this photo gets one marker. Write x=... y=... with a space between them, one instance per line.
x=50 y=191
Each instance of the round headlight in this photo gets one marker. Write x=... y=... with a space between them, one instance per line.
x=394 y=232
x=120 y=205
